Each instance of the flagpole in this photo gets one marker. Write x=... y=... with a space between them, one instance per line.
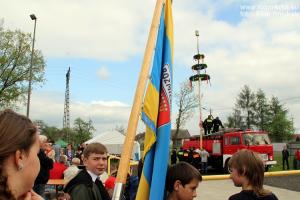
x=137 y=103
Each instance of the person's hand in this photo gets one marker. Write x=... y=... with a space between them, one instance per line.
x=31 y=195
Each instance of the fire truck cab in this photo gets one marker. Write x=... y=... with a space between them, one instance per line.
x=223 y=144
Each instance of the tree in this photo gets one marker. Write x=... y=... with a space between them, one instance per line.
x=280 y=127
x=262 y=110
x=262 y=114
x=51 y=132
x=83 y=130
x=15 y=59
x=235 y=120
x=246 y=102
x=186 y=101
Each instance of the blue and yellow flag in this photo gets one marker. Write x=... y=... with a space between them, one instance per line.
x=156 y=113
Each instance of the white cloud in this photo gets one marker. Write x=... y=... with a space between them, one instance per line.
x=103 y=73
x=90 y=29
x=259 y=51
x=105 y=115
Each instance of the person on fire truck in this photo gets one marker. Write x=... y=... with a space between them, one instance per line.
x=216 y=124
x=207 y=125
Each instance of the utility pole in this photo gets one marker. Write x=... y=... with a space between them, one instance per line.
x=66 y=120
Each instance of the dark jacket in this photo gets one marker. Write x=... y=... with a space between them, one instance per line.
x=82 y=187
x=46 y=164
x=285 y=154
x=216 y=123
x=250 y=195
x=173 y=156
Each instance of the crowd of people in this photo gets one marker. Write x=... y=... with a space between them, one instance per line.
x=27 y=161
x=196 y=157
x=286 y=156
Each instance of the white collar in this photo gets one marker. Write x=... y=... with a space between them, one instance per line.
x=94 y=176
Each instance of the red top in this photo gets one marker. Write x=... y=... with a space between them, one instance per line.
x=57 y=172
x=110 y=183
x=297 y=154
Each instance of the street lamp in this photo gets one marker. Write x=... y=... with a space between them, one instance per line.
x=33 y=17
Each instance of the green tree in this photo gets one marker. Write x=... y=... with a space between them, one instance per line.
x=83 y=130
x=51 y=132
x=262 y=110
x=262 y=114
x=235 y=120
x=246 y=102
x=186 y=101
x=68 y=135
x=15 y=55
x=280 y=127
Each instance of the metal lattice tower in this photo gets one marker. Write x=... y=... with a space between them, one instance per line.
x=66 y=121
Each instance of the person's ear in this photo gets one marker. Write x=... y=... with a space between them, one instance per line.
x=244 y=171
x=19 y=159
x=177 y=185
x=84 y=160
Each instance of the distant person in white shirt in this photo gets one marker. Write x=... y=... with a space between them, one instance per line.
x=73 y=170
x=204 y=157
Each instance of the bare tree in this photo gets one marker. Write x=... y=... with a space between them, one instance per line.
x=186 y=101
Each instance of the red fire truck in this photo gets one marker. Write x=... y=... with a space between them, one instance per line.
x=222 y=145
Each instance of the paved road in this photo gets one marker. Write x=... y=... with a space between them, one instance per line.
x=222 y=189
x=286 y=182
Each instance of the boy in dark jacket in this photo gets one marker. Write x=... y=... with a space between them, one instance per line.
x=86 y=184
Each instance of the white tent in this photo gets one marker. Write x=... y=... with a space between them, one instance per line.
x=114 y=140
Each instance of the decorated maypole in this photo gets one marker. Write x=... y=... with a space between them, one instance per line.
x=198 y=77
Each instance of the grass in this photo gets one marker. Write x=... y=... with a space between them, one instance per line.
x=278 y=166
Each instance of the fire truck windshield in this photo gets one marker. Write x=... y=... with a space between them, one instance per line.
x=256 y=139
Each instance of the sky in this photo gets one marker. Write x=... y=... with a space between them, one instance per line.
x=246 y=42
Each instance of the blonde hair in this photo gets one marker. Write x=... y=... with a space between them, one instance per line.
x=43 y=138
x=76 y=161
x=249 y=164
